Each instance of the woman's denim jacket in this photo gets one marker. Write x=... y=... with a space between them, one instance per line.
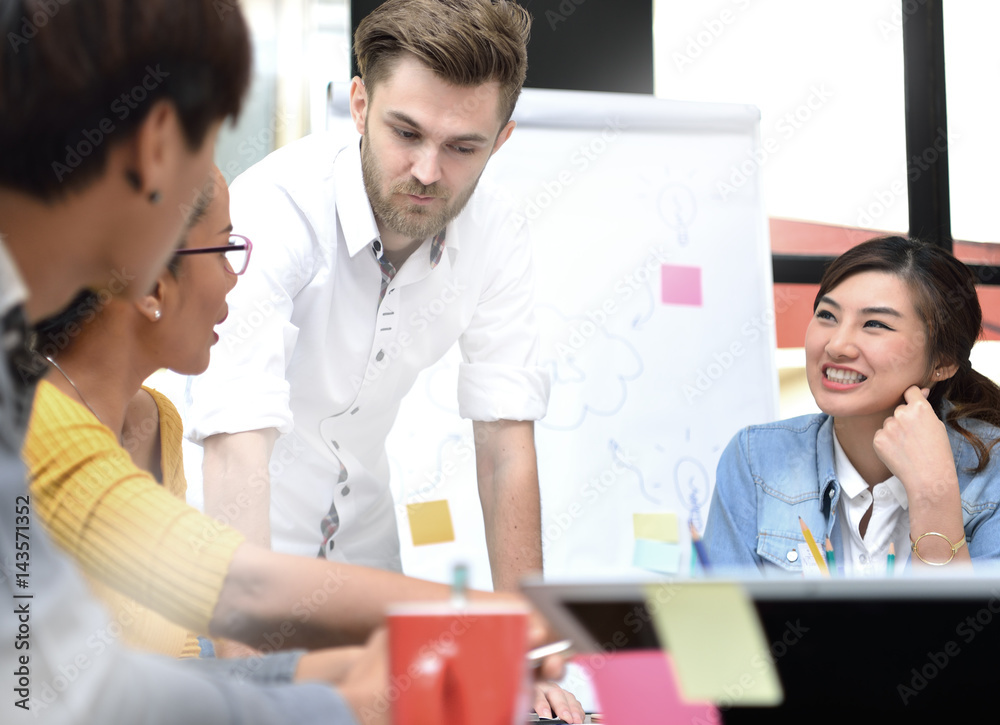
x=770 y=475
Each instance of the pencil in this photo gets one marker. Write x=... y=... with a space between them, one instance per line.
x=890 y=561
x=831 y=558
x=820 y=561
x=699 y=548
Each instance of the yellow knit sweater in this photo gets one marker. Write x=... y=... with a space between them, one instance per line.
x=142 y=547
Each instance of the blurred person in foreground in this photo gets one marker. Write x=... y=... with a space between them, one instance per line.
x=109 y=112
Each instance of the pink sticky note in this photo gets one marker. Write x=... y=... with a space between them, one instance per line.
x=638 y=686
x=681 y=285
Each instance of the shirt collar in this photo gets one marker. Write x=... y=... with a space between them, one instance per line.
x=854 y=485
x=13 y=291
x=353 y=208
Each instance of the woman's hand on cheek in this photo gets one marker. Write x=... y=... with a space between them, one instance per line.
x=913 y=444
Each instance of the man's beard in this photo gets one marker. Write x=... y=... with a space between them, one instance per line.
x=396 y=213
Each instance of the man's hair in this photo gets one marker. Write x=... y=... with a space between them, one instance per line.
x=465 y=42
x=78 y=77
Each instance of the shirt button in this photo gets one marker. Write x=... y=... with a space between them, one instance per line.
x=381 y=354
x=345 y=490
x=830 y=495
x=792 y=555
x=863 y=559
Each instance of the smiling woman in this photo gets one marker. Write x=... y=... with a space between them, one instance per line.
x=901 y=454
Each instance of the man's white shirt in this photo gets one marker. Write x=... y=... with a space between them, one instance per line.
x=309 y=349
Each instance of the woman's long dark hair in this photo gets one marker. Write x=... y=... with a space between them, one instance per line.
x=945 y=298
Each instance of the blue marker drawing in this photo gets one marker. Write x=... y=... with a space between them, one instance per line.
x=577 y=376
x=691 y=480
x=643 y=317
x=678 y=207
x=590 y=370
x=616 y=451
x=587 y=408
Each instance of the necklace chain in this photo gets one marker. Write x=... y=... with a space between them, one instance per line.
x=70 y=381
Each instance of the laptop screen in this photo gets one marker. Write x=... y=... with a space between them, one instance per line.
x=901 y=645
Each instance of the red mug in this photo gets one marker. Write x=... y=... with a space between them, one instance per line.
x=453 y=663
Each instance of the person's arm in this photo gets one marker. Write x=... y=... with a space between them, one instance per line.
x=124 y=529
x=503 y=390
x=237 y=485
x=239 y=405
x=507 y=470
x=730 y=535
x=913 y=443
x=72 y=637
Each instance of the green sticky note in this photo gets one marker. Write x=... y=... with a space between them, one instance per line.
x=713 y=635
x=655 y=527
x=430 y=522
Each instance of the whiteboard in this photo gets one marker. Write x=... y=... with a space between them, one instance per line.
x=653 y=271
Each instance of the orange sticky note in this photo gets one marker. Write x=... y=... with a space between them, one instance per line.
x=430 y=522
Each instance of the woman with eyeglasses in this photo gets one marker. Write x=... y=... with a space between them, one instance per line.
x=92 y=404
x=104 y=455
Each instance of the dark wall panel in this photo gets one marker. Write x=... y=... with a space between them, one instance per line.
x=585 y=45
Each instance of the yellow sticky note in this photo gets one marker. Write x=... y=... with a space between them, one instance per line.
x=655 y=527
x=430 y=522
x=714 y=636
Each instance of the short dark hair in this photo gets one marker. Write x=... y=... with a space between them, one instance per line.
x=77 y=77
x=465 y=42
